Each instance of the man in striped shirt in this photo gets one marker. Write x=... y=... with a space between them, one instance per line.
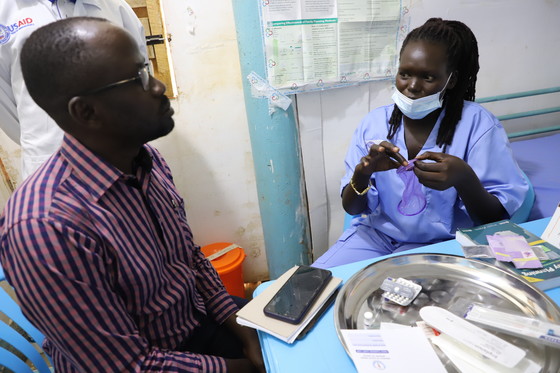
x=96 y=242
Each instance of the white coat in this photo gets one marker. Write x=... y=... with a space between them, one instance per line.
x=20 y=118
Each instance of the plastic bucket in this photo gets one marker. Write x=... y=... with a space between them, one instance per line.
x=229 y=266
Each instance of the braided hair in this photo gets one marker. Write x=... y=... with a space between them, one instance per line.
x=462 y=58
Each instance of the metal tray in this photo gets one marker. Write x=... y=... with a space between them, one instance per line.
x=450 y=282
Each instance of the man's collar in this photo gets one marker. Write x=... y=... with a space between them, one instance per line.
x=72 y=1
x=143 y=160
x=95 y=172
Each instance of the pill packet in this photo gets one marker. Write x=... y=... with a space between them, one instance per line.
x=400 y=291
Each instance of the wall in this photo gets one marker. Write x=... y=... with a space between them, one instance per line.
x=518 y=45
x=209 y=151
x=515 y=53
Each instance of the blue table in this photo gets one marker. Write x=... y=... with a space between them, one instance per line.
x=321 y=351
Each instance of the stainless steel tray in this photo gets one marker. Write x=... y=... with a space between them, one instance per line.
x=450 y=282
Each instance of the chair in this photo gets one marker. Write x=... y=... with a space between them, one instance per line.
x=15 y=348
x=348 y=220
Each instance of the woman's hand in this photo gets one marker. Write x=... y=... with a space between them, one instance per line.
x=445 y=172
x=448 y=171
x=381 y=157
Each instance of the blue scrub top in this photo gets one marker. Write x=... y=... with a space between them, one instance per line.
x=479 y=139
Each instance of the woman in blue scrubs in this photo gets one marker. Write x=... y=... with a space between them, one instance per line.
x=432 y=162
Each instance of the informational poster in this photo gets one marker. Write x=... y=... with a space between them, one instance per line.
x=317 y=44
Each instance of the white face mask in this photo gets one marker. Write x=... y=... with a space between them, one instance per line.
x=419 y=108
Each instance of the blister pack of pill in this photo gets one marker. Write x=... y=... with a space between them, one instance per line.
x=400 y=290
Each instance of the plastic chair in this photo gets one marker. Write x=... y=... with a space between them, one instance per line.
x=26 y=351
x=348 y=220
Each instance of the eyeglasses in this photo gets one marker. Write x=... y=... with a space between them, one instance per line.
x=143 y=77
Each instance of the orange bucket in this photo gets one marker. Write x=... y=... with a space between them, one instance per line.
x=228 y=266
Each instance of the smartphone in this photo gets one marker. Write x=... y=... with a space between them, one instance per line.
x=294 y=299
x=312 y=323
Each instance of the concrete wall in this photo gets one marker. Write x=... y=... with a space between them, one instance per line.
x=518 y=42
x=210 y=153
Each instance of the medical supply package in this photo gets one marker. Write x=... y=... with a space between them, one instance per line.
x=544 y=278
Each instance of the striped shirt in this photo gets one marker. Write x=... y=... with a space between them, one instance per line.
x=104 y=265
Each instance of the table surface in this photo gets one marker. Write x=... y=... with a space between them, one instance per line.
x=321 y=350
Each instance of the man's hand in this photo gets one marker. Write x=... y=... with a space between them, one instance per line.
x=241 y=366
x=251 y=346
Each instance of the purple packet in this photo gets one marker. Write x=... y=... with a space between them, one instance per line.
x=498 y=248
x=515 y=249
x=525 y=259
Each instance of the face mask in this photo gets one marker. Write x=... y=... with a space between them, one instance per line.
x=419 y=108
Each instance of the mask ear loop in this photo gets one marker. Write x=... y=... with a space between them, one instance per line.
x=442 y=92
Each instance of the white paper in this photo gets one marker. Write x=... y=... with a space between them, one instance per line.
x=552 y=231
x=392 y=350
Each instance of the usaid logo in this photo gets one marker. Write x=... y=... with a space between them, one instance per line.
x=4 y=34
x=7 y=31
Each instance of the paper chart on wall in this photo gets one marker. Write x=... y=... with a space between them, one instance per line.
x=317 y=44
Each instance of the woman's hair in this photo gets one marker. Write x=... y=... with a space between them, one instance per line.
x=462 y=59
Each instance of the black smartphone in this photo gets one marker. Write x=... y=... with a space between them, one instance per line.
x=297 y=295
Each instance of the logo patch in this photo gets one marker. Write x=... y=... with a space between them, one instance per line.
x=7 y=31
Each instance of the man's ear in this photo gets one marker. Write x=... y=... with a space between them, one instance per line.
x=81 y=110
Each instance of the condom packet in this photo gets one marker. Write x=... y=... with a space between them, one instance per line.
x=515 y=249
x=484 y=252
x=413 y=199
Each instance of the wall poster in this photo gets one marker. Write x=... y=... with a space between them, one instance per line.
x=319 y=44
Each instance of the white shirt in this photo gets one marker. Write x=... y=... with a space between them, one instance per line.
x=20 y=118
